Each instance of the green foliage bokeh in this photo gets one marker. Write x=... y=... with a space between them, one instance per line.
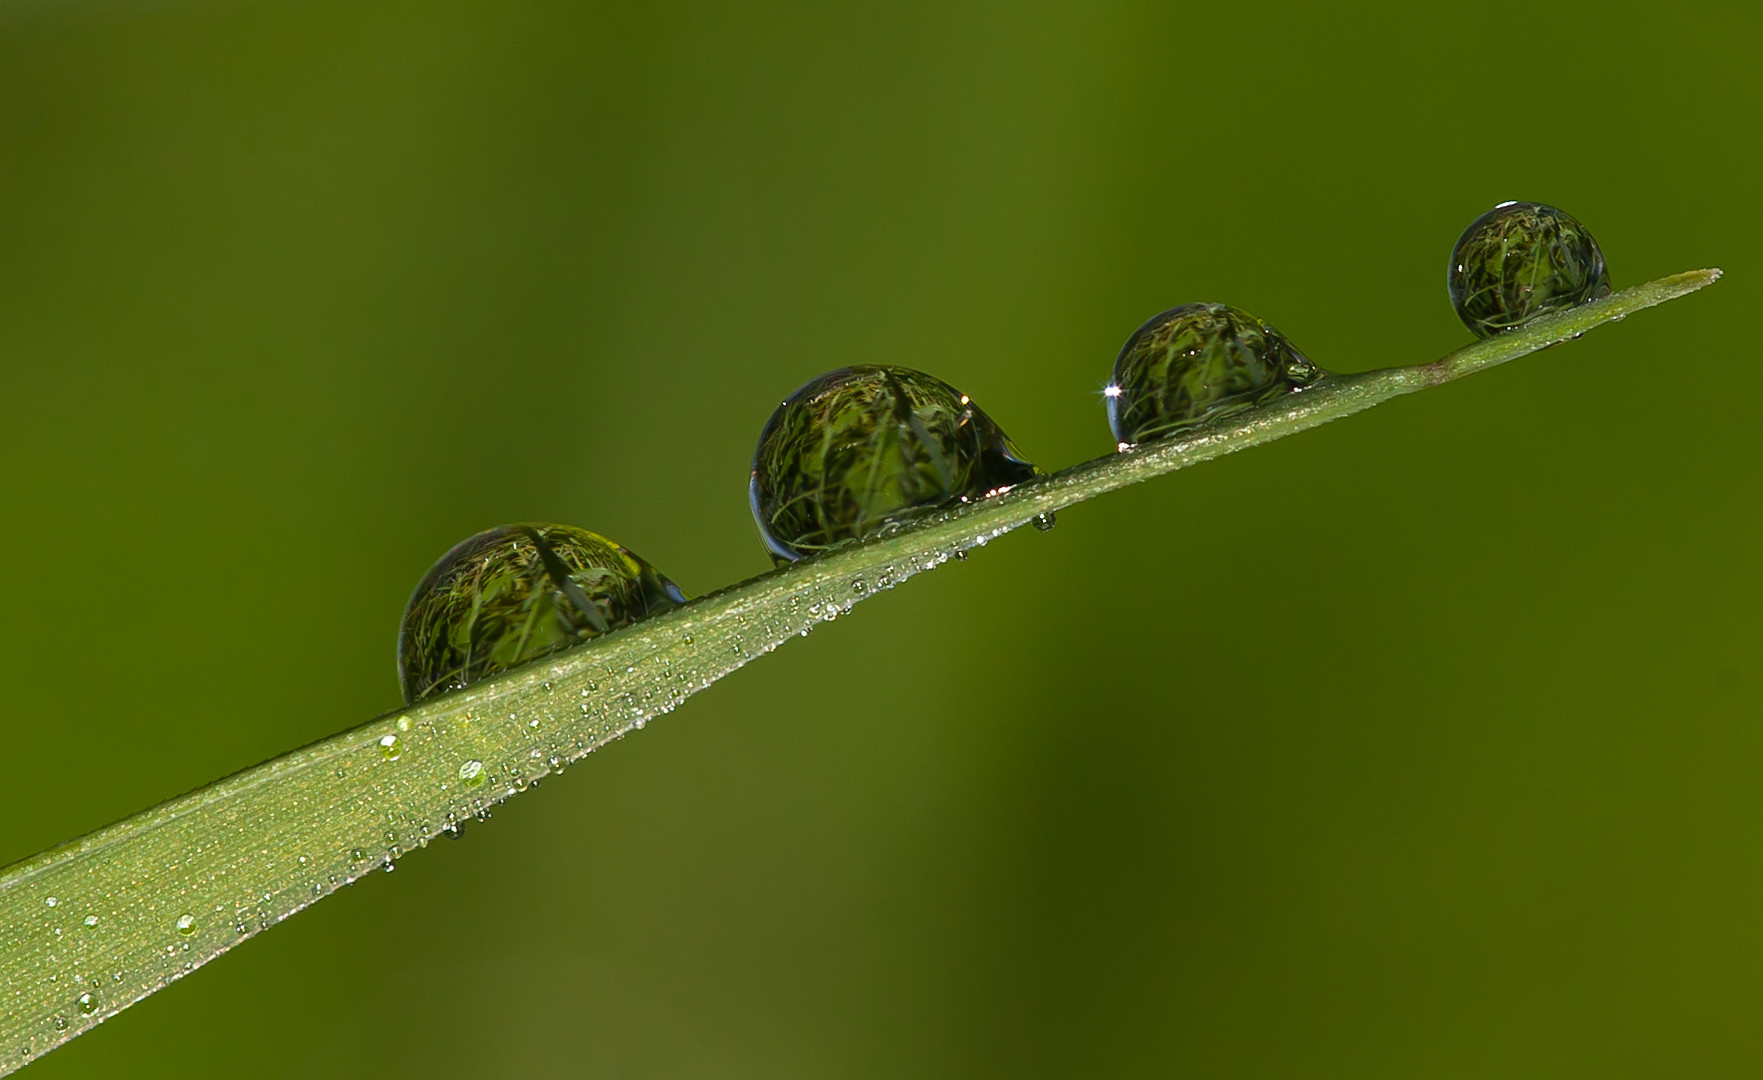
x=1424 y=744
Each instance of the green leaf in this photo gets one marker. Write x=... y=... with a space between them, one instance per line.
x=97 y=924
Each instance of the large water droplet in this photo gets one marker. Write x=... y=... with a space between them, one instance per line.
x=186 y=925
x=1196 y=362
x=390 y=748
x=87 y=1004
x=516 y=593
x=861 y=447
x=1520 y=260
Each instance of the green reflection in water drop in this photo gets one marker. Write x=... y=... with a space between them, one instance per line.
x=1520 y=260
x=472 y=772
x=516 y=593
x=861 y=447
x=1196 y=362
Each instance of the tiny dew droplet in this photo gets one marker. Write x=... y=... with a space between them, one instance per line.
x=1044 y=522
x=87 y=1003
x=517 y=593
x=472 y=772
x=404 y=723
x=186 y=925
x=356 y=854
x=51 y=901
x=389 y=748
x=61 y=1023
x=1520 y=260
x=863 y=447
x=91 y=920
x=1196 y=362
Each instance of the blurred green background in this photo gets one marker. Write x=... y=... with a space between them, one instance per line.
x=1425 y=744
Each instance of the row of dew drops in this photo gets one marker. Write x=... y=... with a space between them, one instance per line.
x=860 y=449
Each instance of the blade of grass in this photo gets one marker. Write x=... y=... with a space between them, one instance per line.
x=93 y=926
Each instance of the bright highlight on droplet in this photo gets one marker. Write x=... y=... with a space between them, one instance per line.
x=472 y=772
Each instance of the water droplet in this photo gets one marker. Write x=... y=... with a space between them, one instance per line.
x=87 y=1003
x=1043 y=522
x=1197 y=362
x=356 y=854
x=517 y=593
x=1520 y=260
x=51 y=901
x=91 y=920
x=861 y=448
x=61 y=1023
x=390 y=748
x=186 y=925
x=403 y=723
x=472 y=772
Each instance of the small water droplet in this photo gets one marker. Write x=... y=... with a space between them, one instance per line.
x=389 y=748
x=61 y=1023
x=51 y=901
x=356 y=854
x=472 y=772
x=1043 y=522
x=187 y=924
x=403 y=723
x=87 y=1003
x=91 y=920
